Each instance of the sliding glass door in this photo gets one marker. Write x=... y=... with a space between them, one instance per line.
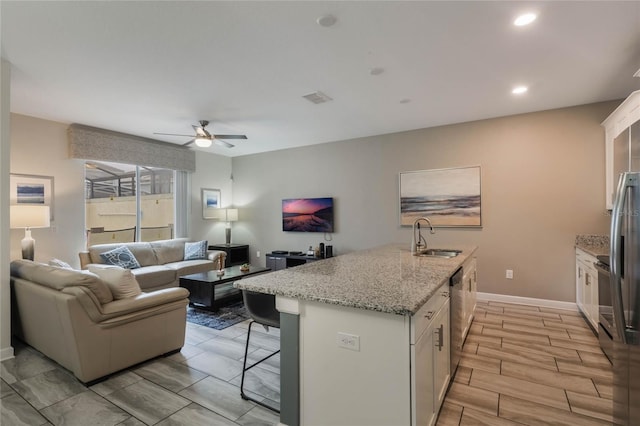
x=125 y=203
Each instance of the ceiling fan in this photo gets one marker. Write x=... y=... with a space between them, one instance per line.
x=204 y=139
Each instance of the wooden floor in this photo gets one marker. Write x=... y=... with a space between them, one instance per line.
x=529 y=365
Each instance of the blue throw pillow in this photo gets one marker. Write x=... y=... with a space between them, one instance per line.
x=194 y=251
x=121 y=257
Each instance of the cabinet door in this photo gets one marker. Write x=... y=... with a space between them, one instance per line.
x=474 y=288
x=622 y=152
x=587 y=299
x=621 y=155
x=441 y=355
x=587 y=288
x=580 y=285
x=470 y=293
x=464 y=302
x=276 y=263
x=469 y=290
x=591 y=295
x=423 y=376
x=634 y=143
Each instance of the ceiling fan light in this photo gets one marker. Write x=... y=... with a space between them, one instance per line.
x=203 y=142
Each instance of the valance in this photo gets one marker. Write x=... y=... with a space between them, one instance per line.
x=92 y=143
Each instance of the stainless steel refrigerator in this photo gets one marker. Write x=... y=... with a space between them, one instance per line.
x=625 y=295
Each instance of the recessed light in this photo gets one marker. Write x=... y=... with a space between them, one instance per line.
x=525 y=19
x=405 y=101
x=519 y=90
x=326 y=20
x=376 y=71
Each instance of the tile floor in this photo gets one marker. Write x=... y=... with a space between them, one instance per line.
x=198 y=386
x=529 y=365
x=521 y=365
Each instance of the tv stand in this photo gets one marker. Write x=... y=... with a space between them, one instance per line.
x=283 y=261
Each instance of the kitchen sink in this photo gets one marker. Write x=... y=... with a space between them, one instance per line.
x=448 y=253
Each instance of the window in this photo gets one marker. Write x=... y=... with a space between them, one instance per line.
x=125 y=203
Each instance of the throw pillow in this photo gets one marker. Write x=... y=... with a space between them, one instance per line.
x=194 y=251
x=59 y=263
x=121 y=282
x=121 y=257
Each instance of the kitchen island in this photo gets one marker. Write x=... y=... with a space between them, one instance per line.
x=364 y=336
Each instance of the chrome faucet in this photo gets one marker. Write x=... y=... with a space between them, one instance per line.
x=417 y=245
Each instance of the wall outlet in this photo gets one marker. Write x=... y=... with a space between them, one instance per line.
x=258 y=253
x=509 y=274
x=348 y=341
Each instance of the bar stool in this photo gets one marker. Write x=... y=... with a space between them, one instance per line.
x=262 y=310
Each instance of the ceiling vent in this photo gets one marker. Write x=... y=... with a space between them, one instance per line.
x=317 y=97
x=637 y=74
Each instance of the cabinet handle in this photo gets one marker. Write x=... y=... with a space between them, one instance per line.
x=429 y=315
x=588 y=279
x=440 y=341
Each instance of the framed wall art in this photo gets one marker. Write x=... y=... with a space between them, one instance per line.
x=448 y=197
x=31 y=189
x=210 y=203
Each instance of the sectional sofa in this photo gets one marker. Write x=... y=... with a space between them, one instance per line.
x=72 y=317
x=161 y=262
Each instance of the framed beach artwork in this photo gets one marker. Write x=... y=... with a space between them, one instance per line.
x=448 y=197
x=210 y=203
x=31 y=189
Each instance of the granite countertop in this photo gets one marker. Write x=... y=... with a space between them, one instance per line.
x=385 y=279
x=595 y=245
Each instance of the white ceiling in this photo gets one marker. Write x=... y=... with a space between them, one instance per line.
x=145 y=67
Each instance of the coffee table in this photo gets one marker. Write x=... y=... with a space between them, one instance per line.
x=208 y=290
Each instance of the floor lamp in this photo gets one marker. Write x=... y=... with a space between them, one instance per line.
x=28 y=216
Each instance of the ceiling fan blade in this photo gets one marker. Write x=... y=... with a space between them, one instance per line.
x=200 y=131
x=223 y=143
x=172 y=134
x=230 y=136
x=189 y=143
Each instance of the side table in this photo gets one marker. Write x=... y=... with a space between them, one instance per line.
x=237 y=254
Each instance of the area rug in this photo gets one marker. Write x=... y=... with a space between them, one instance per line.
x=224 y=317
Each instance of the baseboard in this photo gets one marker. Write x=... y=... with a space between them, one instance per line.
x=491 y=297
x=6 y=353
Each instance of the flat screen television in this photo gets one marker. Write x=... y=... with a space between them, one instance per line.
x=307 y=215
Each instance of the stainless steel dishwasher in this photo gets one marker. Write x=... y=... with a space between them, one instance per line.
x=455 y=319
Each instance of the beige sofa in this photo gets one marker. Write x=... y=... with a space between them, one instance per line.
x=70 y=316
x=162 y=262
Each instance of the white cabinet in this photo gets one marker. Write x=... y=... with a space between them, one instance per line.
x=441 y=356
x=396 y=374
x=587 y=286
x=622 y=143
x=430 y=360
x=469 y=294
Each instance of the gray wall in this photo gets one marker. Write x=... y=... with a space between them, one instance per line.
x=542 y=183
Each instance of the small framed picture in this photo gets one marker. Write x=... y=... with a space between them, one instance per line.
x=210 y=203
x=31 y=189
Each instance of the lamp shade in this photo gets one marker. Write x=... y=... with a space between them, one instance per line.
x=29 y=216
x=231 y=215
